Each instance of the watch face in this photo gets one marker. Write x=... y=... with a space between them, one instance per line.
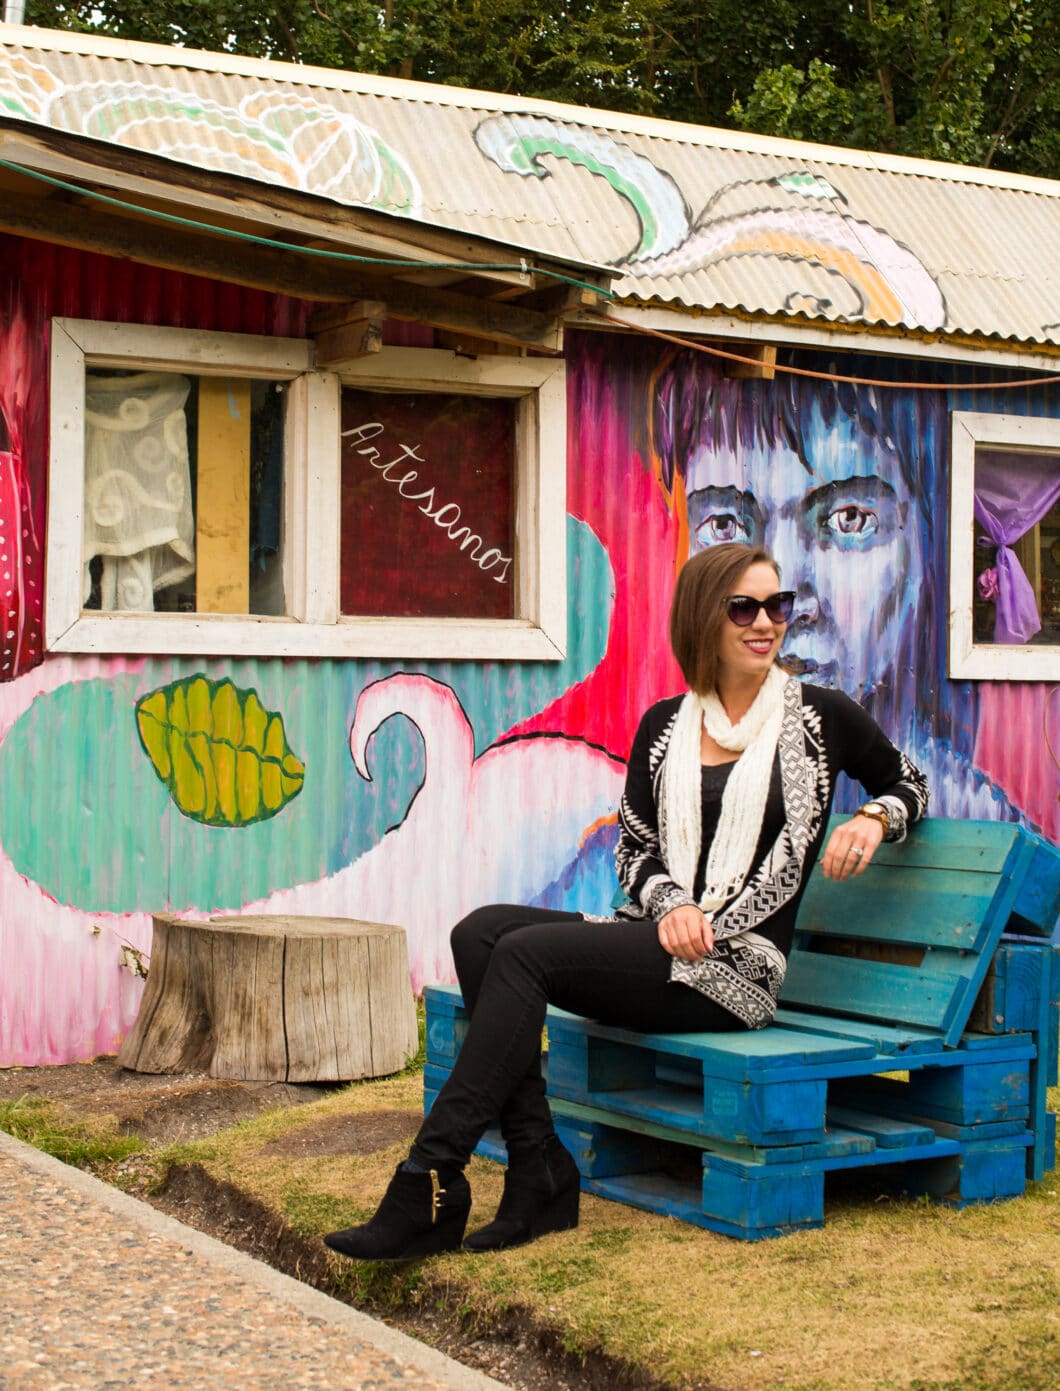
x=874 y=806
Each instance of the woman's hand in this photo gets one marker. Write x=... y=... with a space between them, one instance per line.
x=686 y=933
x=850 y=847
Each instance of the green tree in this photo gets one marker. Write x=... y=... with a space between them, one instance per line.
x=973 y=81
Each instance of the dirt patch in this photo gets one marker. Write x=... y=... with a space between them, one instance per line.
x=162 y=1109
x=361 y=1134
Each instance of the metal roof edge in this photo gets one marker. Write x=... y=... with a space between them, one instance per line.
x=368 y=84
x=798 y=333
x=535 y=260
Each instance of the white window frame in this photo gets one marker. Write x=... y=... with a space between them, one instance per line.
x=313 y=625
x=968 y=659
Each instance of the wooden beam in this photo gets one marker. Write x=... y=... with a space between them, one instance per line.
x=763 y=366
x=329 y=316
x=284 y=272
x=468 y=345
x=359 y=333
x=556 y=297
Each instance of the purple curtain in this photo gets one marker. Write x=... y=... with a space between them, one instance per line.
x=1012 y=493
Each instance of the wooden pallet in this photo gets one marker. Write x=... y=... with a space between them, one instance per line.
x=736 y=1131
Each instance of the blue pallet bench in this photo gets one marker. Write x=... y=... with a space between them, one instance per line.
x=918 y=1030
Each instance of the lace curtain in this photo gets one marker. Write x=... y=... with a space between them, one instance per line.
x=1013 y=492
x=138 y=516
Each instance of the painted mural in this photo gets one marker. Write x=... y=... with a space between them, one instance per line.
x=835 y=263
x=412 y=792
x=279 y=135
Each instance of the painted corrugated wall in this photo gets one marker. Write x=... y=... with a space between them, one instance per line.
x=486 y=781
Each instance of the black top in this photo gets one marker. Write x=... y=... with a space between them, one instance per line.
x=824 y=733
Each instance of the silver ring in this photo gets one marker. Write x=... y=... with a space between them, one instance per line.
x=858 y=851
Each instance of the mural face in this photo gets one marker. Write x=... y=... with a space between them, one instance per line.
x=835 y=517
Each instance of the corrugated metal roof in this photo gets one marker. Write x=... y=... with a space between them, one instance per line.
x=705 y=219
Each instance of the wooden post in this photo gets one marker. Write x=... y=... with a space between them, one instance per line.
x=222 y=508
x=282 y=999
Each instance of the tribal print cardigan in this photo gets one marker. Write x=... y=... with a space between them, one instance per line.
x=823 y=733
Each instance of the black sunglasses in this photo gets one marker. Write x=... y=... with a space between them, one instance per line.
x=743 y=610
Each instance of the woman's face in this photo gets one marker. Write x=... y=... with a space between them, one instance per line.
x=751 y=651
x=840 y=532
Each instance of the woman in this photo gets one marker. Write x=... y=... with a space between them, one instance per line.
x=725 y=810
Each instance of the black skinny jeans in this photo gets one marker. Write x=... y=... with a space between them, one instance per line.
x=513 y=962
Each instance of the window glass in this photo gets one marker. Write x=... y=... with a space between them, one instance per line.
x=427 y=504
x=183 y=493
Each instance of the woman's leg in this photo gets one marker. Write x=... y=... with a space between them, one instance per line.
x=524 y=1117
x=615 y=972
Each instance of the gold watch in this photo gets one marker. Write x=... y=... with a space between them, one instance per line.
x=876 y=811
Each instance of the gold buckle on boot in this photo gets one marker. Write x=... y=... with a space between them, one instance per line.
x=437 y=1194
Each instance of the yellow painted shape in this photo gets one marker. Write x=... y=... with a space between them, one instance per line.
x=188 y=786
x=178 y=710
x=201 y=753
x=152 y=718
x=228 y=714
x=224 y=766
x=271 y=787
x=255 y=722
x=222 y=511
x=248 y=784
x=200 y=707
x=224 y=757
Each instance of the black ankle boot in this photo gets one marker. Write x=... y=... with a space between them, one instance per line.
x=421 y=1214
x=541 y=1192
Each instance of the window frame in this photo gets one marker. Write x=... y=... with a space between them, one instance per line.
x=968 y=659
x=313 y=625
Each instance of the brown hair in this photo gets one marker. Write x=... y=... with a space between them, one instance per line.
x=698 y=608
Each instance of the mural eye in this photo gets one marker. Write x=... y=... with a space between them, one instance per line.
x=721 y=526
x=853 y=521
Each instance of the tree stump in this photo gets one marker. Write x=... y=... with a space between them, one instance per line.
x=277 y=999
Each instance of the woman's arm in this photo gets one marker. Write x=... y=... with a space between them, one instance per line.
x=888 y=776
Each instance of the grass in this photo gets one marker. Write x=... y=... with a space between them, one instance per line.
x=86 y=1144
x=893 y=1294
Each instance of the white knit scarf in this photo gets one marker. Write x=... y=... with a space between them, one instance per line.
x=743 y=801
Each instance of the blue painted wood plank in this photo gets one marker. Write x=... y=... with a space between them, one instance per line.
x=901 y=904
x=941 y=843
x=960 y=1095
x=1037 y=904
x=836 y=1141
x=756 y=1198
x=886 y=1040
x=767 y=1113
x=886 y=1131
x=741 y=1054
x=982 y=1172
x=934 y=1148
x=668 y=1197
x=1051 y=1044
x=983 y=1130
x=874 y=990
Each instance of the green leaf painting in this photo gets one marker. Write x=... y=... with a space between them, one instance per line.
x=223 y=756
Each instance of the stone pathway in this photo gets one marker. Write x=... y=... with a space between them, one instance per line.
x=99 y=1292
